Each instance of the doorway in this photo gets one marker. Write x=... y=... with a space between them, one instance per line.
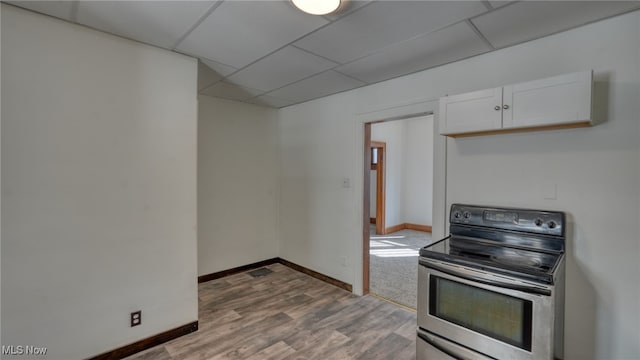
x=399 y=183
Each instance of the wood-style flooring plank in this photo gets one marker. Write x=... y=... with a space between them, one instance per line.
x=288 y=315
x=315 y=345
x=391 y=344
x=408 y=329
x=276 y=351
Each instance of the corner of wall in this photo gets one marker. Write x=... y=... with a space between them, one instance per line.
x=277 y=115
x=238 y=184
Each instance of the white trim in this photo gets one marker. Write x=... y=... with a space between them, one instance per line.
x=419 y=108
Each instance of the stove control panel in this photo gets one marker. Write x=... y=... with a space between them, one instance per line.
x=501 y=216
x=533 y=221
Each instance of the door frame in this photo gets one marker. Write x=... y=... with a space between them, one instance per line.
x=362 y=141
x=381 y=191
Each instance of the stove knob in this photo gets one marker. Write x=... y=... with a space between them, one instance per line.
x=466 y=214
x=552 y=224
x=457 y=215
x=538 y=222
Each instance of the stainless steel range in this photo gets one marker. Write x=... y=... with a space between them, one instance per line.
x=494 y=288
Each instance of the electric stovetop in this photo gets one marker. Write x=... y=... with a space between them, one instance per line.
x=484 y=255
x=527 y=244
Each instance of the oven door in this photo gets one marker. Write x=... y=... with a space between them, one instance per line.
x=499 y=316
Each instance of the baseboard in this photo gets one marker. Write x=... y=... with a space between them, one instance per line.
x=372 y=220
x=394 y=228
x=236 y=270
x=317 y=275
x=409 y=226
x=147 y=343
x=300 y=268
x=425 y=228
x=169 y=335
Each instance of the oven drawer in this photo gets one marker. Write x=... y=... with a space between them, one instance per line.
x=433 y=347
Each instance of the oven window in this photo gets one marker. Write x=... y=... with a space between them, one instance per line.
x=499 y=316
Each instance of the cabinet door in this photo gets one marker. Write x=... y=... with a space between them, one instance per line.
x=471 y=112
x=559 y=100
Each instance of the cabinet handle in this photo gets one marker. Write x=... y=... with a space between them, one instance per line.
x=496 y=108
x=506 y=107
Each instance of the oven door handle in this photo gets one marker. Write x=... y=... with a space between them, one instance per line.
x=501 y=284
x=455 y=351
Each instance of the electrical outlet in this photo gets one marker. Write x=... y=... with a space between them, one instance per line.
x=136 y=318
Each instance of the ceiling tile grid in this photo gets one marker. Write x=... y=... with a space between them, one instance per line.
x=283 y=67
x=220 y=69
x=160 y=23
x=206 y=76
x=383 y=23
x=528 y=20
x=452 y=43
x=323 y=84
x=60 y=9
x=269 y=53
x=238 y=33
x=499 y=3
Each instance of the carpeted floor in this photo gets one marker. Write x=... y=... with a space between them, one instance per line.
x=394 y=265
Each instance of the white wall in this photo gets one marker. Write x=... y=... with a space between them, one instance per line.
x=317 y=216
x=237 y=184
x=0 y=172
x=409 y=170
x=393 y=134
x=98 y=187
x=596 y=171
x=417 y=188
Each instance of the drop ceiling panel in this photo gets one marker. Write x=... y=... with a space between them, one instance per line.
x=452 y=43
x=59 y=9
x=160 y=23
x=349 y=7
x=230 y=91
x=323 y=84
x=239 y=32
x=280 y=68
x=221 y=69
x=375 y=40
x=270 y=101
x=206 y=76
x=527 y=20
x=383 y=23
x=497 y=4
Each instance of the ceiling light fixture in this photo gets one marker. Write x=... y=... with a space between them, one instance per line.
x=317 y=7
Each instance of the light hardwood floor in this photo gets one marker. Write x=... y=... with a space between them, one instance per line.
x=290 y=315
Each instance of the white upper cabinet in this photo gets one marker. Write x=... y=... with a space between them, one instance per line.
x=557 y=102
x=553 y=101
x=471 y=112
